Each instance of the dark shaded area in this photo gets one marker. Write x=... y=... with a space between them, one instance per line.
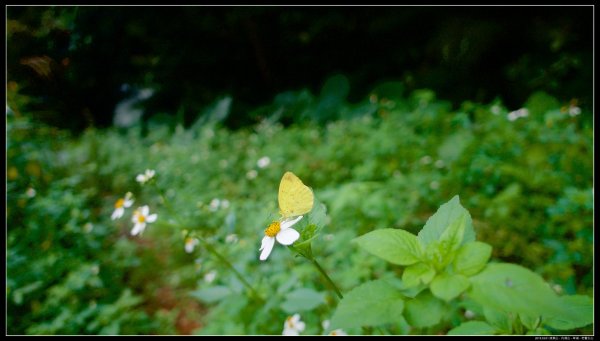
x=73 y=61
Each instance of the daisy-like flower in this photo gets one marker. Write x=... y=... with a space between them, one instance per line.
x=190 y=244
x=338 y=332
x=141 y=216
x=210 y=276
x=280 y=231
x=145 y=177
x=121 y=204
x=263 y=162
x=293 y=325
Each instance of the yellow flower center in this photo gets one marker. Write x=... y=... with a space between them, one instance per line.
x=273 y=229
x=119 y=203
x=141 y=218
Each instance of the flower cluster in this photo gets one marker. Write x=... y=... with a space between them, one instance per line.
x=514 y=115
x=141 y=216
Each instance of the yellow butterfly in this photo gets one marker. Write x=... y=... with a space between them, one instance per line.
x=295 y=198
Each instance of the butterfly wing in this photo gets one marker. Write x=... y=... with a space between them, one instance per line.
x=295 y=198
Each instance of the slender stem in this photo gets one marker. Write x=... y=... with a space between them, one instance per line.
x=335 y=288
x=224 y=260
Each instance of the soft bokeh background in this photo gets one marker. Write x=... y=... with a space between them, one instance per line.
x=386 y=112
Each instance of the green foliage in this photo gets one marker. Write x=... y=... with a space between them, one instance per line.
x=527 y=185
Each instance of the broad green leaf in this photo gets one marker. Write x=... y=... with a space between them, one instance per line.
x=530 y=322
x=498 y=319
x=515 y=289
x=447 y=287
x=473 y=328
x=578 y=311
x=301 y=300
x=396 y=246
x=424 y=311
x=441 y=220
x=453 y=235
x=318 y=215
x=212 y=294
x=417 y=273
x=472 y=258
x=370 y=304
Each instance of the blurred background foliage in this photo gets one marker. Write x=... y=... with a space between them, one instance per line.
x=80 y=62
x=385 y=112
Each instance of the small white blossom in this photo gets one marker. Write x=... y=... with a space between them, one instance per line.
x=263 y=162
x=210 y=276
x=30 y=192
x=574 y=110
x=469 y=314
x=146 y=176
x=140 y=218
x=190 y=244
x=121 y=204
x=426 y=160
x=337 y=332
x=439 y=164
x=88 y=227
x=325 y=324
x=214 y=205
x=231 y=238
x=514 y=115
x=293 y=326
x=224 y=203
x=495 y=109
x=280 y=231
x=252 y=174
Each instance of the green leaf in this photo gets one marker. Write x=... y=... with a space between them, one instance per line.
x=212 y=294
x=301 y=300
x=578 y=311
x=453 y=235
x=396 y=246
x=441 y=220
x=370 y=304
x=417 y=273
x=424 y=311
x=473 y=328
x=512 y=288
x=472 y=258
x=498 y=319
x=318 y=215
x=447 y=287
x=530 y=322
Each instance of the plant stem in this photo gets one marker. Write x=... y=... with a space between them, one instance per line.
x=224 y=260
x=335 y=288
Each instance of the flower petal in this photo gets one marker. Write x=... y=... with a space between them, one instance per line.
x=138 y=228
x=140 y=178
x=290 y=222
x=287 y=236
x=266 y=247
x=145 y=210
x=151 y=218
x=118 y=213
x=127 y=202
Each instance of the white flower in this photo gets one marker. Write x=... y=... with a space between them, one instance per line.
x=574 y=110
x=190 y=244
x=439 y=164
x=293 y=325
x=263 y=162
x=514 y=115
x=121 y=204
x=30 y=192
x=495 y=109
x=325 y=324
x=280 y=231
x=210 y=276
x=231 y=238
x=224 y=203
x=88 y=227
x=337 y=332
x=426 y=160
x=141 y=216
x=145 y=177
x=214 y=205
x=252 y=174
x=469 y=314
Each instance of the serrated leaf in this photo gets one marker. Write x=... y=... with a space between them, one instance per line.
x=395 y=246
x=370 y=304
x=417 y=273
x=447 y=287
x=301 y=300
x=472 y=258
x=424 y=311
x=498 y=319
x=441 y=220
x=473 y=328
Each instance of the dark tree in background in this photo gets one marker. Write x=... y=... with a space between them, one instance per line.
x=74 y=61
